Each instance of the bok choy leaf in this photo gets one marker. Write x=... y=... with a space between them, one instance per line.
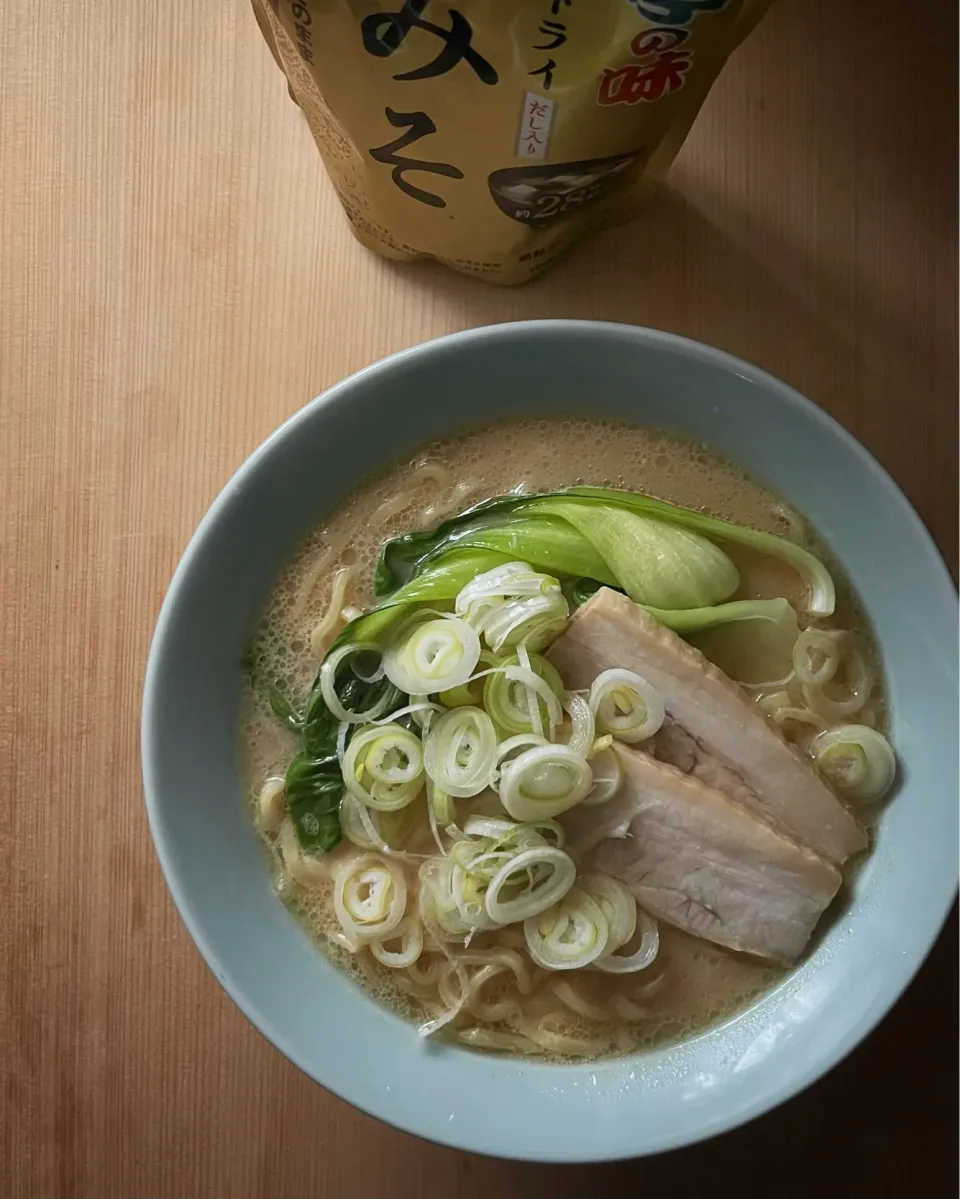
x=654 y=562
x=670 y=561
x=822 y=599
x=313 y=787
x=505 y=526
x=404 y=557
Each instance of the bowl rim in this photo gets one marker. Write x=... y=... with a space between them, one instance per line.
x=407 y=1120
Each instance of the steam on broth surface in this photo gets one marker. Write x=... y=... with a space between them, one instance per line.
x=500 y=995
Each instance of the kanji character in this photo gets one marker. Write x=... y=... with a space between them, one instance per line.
x=636 y=82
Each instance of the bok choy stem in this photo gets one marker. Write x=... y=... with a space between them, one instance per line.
x=695 y=620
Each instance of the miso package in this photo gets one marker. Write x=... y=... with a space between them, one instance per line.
x=493 y=134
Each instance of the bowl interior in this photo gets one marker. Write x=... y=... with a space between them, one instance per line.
x=215 y=869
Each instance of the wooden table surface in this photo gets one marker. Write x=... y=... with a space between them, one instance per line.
x=175 y=279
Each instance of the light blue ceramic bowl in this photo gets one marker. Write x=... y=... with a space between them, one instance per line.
x=215 y=869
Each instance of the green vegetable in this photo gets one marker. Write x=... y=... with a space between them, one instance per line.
x=695 y=620
x=313 y=784
x=313 y=787
x=653 y=562
x=822 y=592
x=284 y=710
x=750 y=640
x=404 y=557
x=505 y=699
x=549 y=544
x=439 y=583
x=580 y=590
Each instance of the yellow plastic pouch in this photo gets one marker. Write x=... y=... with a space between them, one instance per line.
x=492 y=135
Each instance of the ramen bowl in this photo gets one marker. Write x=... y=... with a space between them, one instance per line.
x=214 y=864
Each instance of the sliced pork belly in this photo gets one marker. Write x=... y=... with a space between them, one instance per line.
x=713 y=731
x=702 y=862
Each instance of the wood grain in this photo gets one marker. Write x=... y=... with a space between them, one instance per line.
x=175 y=279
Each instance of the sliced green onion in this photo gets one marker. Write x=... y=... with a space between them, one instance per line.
x=844 y=763
x=858 y=686
x=442 y=803
x=469 y=693
x=510 y=836
x=328 y=674
x=479 y=857
x=357 y=825
x=342 y=731
x=617 y=904
x=816 y=655
x=551 y=832
x=460 y=752
x=514 y=604
x=506 y=699
x=858 y=760
x=383 y=767
x=409 y=933
x=492 y=827
x=607 y=777
x=469 y=890
x=435 y=795
x=782 y=710
x=626 y=705
x=530 y=694
x=516 y=865
x=544 y=781
x=583 y=724
x=541 y=689
x=438 y=906
x=421 y=706
x=642 y=957
x=571 y=934
x=552 y=874
x=509 y=750
x=535 y=621
x=435 y=655
x=385 y=832
x=369 y=897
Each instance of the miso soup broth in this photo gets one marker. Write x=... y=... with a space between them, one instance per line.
x=404 y=900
